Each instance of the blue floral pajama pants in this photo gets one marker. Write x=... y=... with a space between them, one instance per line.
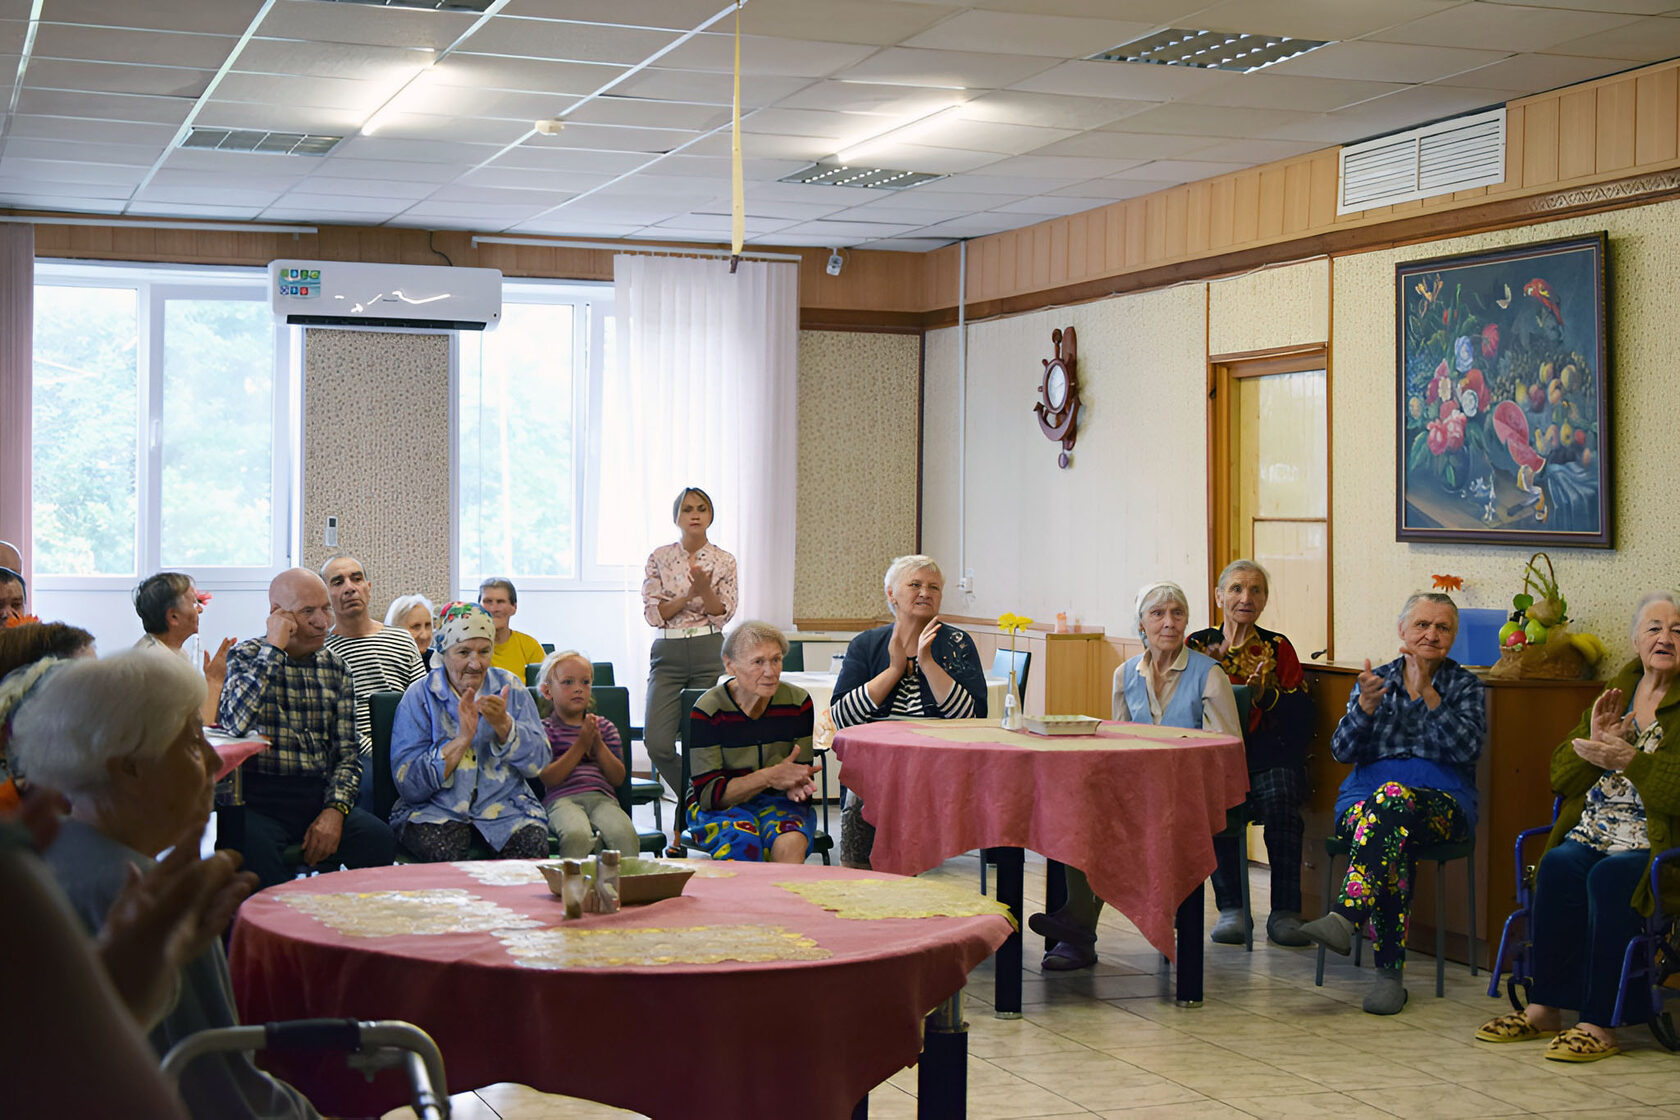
x=747 y=831
x=1382 y=831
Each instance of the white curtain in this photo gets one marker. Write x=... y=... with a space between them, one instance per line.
x=704 y=392
x=17 y=366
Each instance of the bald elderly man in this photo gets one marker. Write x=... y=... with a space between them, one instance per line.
x=300 y=696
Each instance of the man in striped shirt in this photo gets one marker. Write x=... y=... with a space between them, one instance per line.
x=381 y=658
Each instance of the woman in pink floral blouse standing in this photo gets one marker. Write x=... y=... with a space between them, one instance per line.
x=688 y=597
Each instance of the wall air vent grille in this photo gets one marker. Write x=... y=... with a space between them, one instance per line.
x=1436 y=159
x=259 y=140
x=1209 y=50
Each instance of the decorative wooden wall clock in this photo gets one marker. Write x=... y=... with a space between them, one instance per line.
x=1058 y=411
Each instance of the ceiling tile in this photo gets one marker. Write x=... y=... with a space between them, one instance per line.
x=1114 y=189
x=1051 y=110
x=1106 y=144
x=559 y=225
x=1256 y=151
x=331 y=60
x=788 y=211
x=842 y=228
x=1016 y=185
x=978 y=225
x=151 y=209
x=1050 y=205
x=454 y=215
x=151 y=48
x=1181 y=170
x=216 y=194
x=761 y=54
x=279 y=117
x=869 y=97
x=843 y=21
x=1130 y=81
x=322 y=217
x=956 y=206
x=539 y=152
x=313 y=21
x=907 y=66
x=1501 y=27
x=1406 y=109
x=843 y=128
x=350 y=95
x=347 y=186
x=100 y=77
x=1036 y=33
x=717 y=168
x=537 y=75
x=131 y=155
x=923 y=157
x=681 y=15
x=231 y=17
x=1539 y=72
x=303 y=198
x=425 y=126
x=1386 y=62
x=81 y=131
x=529 y=178
x=415 y=151
x=1314 y=19
x=764 y=146
x=34 y=192
x=905 y=244
x=716 y=225
x=1645 y=40
x=1148 y=11
x=100 y=106
x=942 y=202
x=646 y=113
x=1065 y=168
x=516 y=105
x=1265 y=90
x=1630 y=7
x=1183 y=119
x=990 y=136
x=568 y=40
x=707 y=88
x=614 y=138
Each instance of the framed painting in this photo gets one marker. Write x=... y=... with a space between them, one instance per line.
x=1503 y=397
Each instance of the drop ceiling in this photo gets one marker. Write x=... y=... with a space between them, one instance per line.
x=997 y=96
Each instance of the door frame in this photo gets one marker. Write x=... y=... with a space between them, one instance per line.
x=1222 y=371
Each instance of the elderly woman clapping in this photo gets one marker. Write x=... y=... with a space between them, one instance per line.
x=749 y=753
x=466 y=741
x=1168 y=684
x=1618 y=773
x=915 y=667
x=121 y=739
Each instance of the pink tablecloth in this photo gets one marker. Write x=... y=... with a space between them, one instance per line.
x=1135 y=807
x=233 y=752
x=806 y=1038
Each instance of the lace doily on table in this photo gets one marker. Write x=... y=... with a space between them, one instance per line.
x=560 y=947
x=869 y=899
x=503 y=872
x=398 y=913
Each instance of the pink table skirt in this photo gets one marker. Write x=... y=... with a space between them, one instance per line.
x=805 y=1038
x=1135 y=807
x=232 y=752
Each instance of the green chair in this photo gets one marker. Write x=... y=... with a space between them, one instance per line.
x=603 y=673
x=1237 y=820
x=822 y=843
x=793 y=661
x=533 y=674
x=612 y=702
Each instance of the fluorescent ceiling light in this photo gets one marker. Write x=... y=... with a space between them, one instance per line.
x=1210 y=50
x=868 y=178
x=382 y=115
x=900 y=132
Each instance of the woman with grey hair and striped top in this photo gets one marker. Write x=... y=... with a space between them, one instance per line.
x=915 y=667
x=1168 y=684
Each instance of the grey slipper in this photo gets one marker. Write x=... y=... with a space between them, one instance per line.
x=1388 y=994
x=1284 y=928
x=1058 y=927
x=1068 y=957
x=1332 y=931
x=1228 y=930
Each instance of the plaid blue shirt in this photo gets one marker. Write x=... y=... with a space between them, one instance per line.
x=1405 y=741
x=306 y=709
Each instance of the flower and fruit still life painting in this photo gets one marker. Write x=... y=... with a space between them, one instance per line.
x=1503 y=396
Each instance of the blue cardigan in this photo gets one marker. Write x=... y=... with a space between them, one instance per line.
x=953 y=650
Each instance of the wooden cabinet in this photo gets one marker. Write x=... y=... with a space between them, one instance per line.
x=1066 y=675
x=1526 y=719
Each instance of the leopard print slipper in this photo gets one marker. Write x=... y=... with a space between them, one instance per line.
x=1577 y=1045
x=1513 y=1027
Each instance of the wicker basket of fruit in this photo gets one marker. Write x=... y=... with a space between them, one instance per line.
x=1537 y=643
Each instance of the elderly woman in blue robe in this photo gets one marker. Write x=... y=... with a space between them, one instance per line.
x=467 y=739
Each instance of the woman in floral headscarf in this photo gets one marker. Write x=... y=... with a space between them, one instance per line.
x=466 y=741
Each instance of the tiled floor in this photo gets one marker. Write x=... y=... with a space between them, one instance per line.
x=1267 y=1043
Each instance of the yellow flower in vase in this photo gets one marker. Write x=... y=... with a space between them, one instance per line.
x=1012 y=624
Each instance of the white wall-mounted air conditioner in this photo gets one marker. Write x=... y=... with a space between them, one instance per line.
x=400 y=296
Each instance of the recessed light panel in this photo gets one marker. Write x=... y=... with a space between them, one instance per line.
x=870 y=178
x=1209 y=50
x=260 y=140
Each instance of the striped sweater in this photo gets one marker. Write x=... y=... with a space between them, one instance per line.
x=724 y=742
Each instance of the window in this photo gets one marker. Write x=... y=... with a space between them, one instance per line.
x=527 y=459
x=161 y=425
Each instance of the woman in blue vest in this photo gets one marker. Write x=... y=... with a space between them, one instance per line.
x=1168 y=684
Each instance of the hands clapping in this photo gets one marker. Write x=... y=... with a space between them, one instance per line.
x=1371 y=690
x=793 y=778
x=1608 y=748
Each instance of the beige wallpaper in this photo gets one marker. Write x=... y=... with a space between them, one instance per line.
x=1132 y=506
x=376 y=451
x=1372 y=571
x=1287 y=305
x=857 y=468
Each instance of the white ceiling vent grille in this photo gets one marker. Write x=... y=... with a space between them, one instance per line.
x=1433 y=160
x=261 y=141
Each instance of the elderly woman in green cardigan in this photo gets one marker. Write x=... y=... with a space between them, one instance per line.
x=1619 y=776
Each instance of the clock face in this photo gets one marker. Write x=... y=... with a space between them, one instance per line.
x=1055 y=387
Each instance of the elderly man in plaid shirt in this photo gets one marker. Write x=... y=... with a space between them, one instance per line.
x=302 y=698
x=1413 y=731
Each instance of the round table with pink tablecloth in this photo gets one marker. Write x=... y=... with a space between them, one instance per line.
x=677 y=1008
x=1134 y=805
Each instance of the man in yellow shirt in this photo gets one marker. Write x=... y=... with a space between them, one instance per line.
x=514 y=650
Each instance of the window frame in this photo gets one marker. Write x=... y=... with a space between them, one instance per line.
x=154 y=286
x=593 y=304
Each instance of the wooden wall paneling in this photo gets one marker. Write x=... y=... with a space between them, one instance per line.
x=1136 y=255
x=1297 y=196
x=1577 y=133
x=1323 y=173
x=1078 y=244
x=1114 y=238
x=1058 y=230
x=1153 y=207
x=1222 y=213
x=1245 y=227
x=1270 y=206
x=1178 y=222
x=1515 y=134
x=1616 y=126
x=1540 y=142
x=1198 y=223
x=1655 y=130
